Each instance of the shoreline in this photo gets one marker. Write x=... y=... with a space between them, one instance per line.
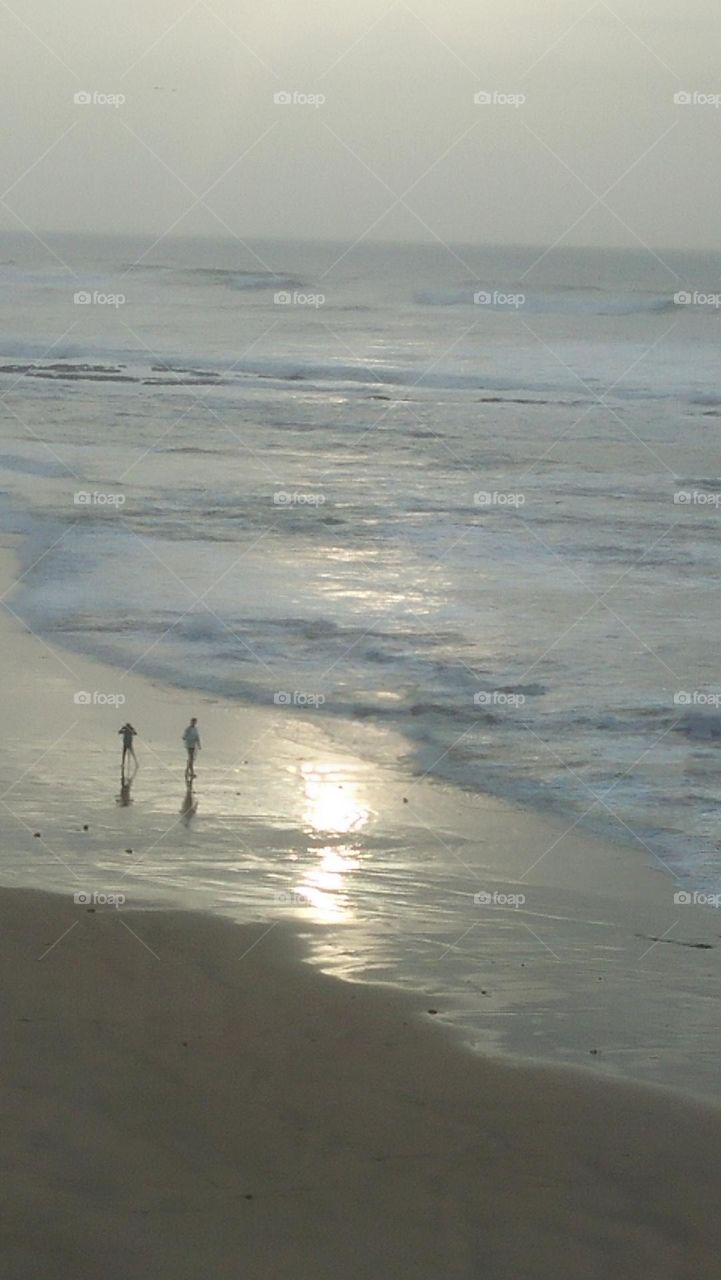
x=426 y=758
x=598 y=968
x=185 y=1097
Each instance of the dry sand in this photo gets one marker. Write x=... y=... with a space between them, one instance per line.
x=203 y=1105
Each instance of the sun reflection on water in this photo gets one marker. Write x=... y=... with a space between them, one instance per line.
x=331 y=806
x=331 y=809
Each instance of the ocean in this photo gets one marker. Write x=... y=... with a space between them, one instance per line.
x=471 y=494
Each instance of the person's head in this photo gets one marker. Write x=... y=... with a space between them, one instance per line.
x=193 y=722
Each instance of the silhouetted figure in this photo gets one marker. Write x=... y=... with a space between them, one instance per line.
x=127 y=733
x=191 y=738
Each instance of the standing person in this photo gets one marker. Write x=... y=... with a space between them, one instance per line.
x=127 y=733
x=191 y=738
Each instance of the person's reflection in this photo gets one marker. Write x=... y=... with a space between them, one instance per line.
x=126 y=784
x=189 y=807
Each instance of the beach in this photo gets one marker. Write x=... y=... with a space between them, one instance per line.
x=182 y=1097
x=188 y=1094
x=577 y=951
x=360 y=871
x=427 y=961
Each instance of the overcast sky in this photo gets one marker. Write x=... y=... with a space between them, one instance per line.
x=399 y=117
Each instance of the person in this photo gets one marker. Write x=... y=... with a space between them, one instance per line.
x=128 y=733
x=191 y=738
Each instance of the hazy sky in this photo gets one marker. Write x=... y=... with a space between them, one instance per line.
x=399 y=117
